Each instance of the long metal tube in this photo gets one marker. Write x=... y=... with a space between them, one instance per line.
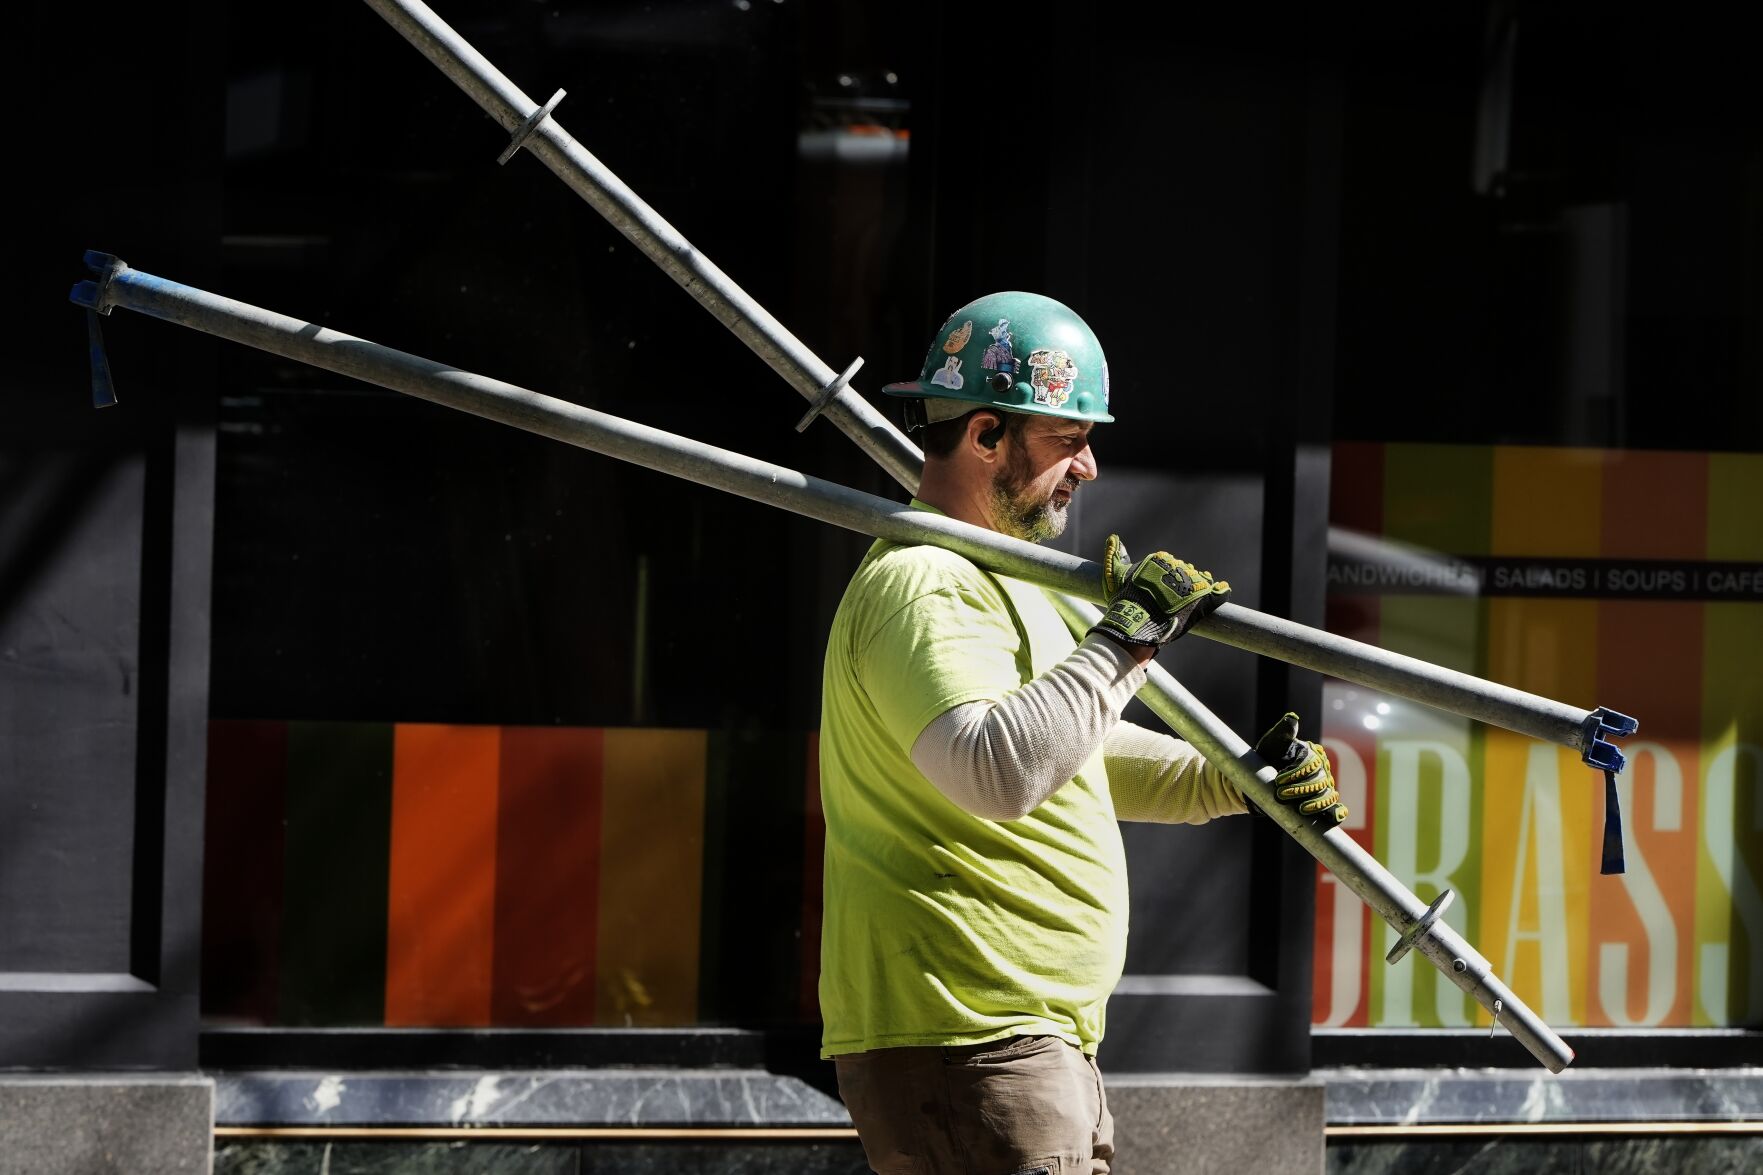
x=841 y=506
x=576 y=166
x=1244 y=628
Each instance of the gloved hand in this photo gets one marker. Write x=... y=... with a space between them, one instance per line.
x=1304 y=781
x=1152 y=602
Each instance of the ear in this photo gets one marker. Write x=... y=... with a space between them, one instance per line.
x=984 y=431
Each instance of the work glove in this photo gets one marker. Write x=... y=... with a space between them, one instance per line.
x=1304 y=781
x=1155 y=600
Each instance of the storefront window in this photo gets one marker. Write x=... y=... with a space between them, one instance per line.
x=1596 y=577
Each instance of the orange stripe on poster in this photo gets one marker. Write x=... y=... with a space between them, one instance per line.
x=651 y=877
x=440 y=914
x=1538 y=799
x=1655 y=506
x=1642 y=922
x=547 y=876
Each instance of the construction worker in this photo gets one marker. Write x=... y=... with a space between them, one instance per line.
x=974 y=767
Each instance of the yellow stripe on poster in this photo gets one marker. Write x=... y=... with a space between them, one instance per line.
x=651 y=877
x=1728 y=957
x=1537 y=799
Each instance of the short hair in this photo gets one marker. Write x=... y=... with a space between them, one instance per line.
x=941 y=438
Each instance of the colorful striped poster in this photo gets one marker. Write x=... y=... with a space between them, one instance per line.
x=420 y=875
x=426 y=875
x=1595 y=577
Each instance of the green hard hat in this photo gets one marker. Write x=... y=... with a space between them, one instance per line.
x=1019 y=352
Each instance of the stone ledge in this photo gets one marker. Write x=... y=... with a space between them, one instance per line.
x=1408 y=1097
x=97 y=1124
x=681 y=1098
x=1202 y=1124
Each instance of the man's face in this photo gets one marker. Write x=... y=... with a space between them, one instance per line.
x=1039 y=469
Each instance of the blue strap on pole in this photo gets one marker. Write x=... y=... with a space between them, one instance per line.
x=103 y=390
x=90 y=294
x=1597 y=751
x=1613 y=862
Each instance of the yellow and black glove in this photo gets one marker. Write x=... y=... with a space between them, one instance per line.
x=1304 y=781
x=1155 y=600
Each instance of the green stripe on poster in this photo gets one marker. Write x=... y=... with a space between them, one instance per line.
x=339 y=828
x=1437 y=498
x=750 y=953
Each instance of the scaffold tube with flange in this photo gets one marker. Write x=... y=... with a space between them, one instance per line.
x=841 y=506
x=537 y=130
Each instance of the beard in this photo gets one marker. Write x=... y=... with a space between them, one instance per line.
x=1023 y=513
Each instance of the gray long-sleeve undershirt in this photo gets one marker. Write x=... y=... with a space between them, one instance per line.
x=1000 y=760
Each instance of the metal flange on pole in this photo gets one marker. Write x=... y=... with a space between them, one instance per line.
x=544 y=138
x=1417 y=923
x=118 y=285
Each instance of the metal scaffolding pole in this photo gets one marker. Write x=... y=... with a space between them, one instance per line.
x=535 y=128
x=118 y=285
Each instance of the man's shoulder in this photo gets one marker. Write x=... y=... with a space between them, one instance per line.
x=902 y=572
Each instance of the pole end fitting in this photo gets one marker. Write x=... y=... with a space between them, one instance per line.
x=95 y=295
x=96 y=298
x=1595 y=748
x=1601 y=754
x=1421 y=925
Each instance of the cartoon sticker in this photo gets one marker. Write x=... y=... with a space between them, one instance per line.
x=1001 y=355
x=949 y=375
x=959 y=339
x=1054 y=373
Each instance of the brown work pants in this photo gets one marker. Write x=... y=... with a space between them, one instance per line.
x=1029 y=1105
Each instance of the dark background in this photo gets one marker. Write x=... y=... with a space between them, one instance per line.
x=379 y=558
x=1469 y=222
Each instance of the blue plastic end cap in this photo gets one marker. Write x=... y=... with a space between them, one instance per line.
x=1597 y=751
x=1605 y=757
x=84 y=293
x=102 y=263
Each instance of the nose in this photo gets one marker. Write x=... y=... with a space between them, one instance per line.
x=1083 y=466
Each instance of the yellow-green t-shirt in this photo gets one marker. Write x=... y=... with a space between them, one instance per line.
x=942 y=927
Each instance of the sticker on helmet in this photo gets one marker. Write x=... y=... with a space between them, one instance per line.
x=1054 y=373
x=959 y=338
x=1001 y=355
x=949 y=374
x=1104 y=383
